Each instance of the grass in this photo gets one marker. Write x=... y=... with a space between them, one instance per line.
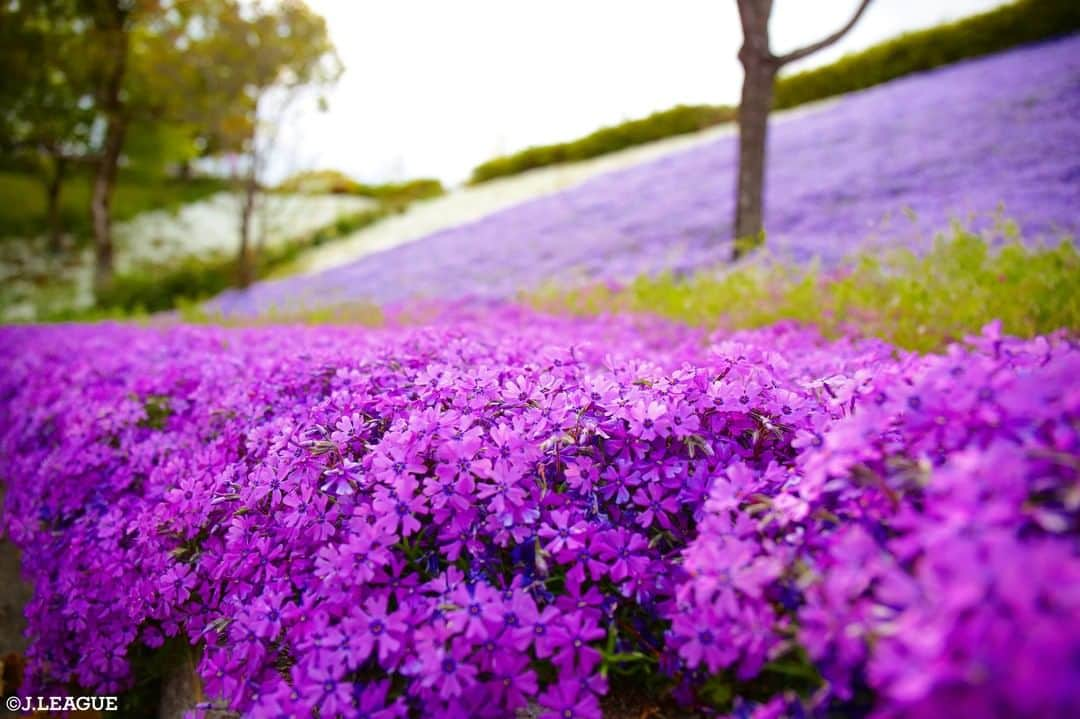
x=22 y=200
x=915 y=302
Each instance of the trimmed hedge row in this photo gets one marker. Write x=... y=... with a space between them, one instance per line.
x=1015 y=24
x=678 y=120
x=393 y=194
x=999 y=29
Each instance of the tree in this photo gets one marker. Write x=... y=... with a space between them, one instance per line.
x=45 y=121
x=760 y=67
x=139 y=53
x=274 y=50
x=142 y=83
x=112 y=26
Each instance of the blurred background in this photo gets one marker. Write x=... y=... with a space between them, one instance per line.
x=157 y=151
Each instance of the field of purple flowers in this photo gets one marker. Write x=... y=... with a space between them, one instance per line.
x=968 y=139
x=513 y=509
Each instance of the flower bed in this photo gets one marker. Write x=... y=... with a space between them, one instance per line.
x=486 y=512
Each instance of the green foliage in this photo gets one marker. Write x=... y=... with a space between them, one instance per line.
x=166 y=81
x=792 y=671
x=158 y=409
x=915 y=302
x=157 y=289
x=676 y=121
x=153 y=148
x=44 y=78
x=1020 y=22
x=22 y=199
x=253 y=49
x=396 y=194
x=152 y=669
x=401 y=194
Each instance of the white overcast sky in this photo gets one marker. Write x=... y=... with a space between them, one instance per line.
x=434 y=87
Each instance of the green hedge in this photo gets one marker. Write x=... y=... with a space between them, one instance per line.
x=393 y=194
x=1015 y=24
x=676 y=121
x=396 y=194
x=1005 y=27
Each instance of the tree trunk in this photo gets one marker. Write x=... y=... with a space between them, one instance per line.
x=101 y=202
x=757 y=94
x=52 y=203
x=760 y=67
x=115 y=30
x=759 y=72
x=181 y=688
x=244 y=270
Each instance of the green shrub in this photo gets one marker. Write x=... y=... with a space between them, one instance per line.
x=319 y=182
x=676 y=121
x=916 y=302
x=394 y=194
x=158 y=289
x=999 y=29
x=397 y=195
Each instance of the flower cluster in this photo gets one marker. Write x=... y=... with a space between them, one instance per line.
x=476 y=516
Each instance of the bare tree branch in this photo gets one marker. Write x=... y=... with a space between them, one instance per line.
x=811 y=49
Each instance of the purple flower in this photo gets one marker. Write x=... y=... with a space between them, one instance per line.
x=513 y=683
x=575 y=632
x=479 y=608
x=656 y=505
x=648 y=421
x=924 y=558
x=569 y=700
x=562 y=534
x=375 y=628
x=447 y=670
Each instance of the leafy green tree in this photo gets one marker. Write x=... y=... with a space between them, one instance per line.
x=137 y=50
x=45 y=112
x=148 y=83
